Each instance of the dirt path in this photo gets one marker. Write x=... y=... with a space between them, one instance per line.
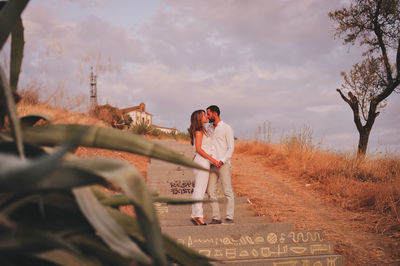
x=288 y=199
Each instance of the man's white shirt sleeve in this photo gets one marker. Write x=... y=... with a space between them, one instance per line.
x=230 y=144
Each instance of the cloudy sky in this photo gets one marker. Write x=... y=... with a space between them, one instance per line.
x=259 y=61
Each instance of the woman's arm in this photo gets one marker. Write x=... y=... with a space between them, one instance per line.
x=199 y=150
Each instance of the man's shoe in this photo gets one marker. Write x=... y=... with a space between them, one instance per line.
x=215 y=221
x=228 y=221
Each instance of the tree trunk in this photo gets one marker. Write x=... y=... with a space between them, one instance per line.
x=363 y=141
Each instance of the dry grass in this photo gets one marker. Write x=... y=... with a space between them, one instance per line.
x=355 y=184
x=57 y=115
x=57 y=106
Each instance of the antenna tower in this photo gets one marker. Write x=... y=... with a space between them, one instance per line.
x=93 y=90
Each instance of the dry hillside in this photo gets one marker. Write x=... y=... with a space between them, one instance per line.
x=356 y=202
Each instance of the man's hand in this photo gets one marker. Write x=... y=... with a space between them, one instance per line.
x=219 y=164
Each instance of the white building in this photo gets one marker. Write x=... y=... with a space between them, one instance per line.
x=139 y=114
x=166 y=129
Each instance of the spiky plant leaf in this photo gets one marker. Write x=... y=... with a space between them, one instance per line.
x=107 y=228
x=9 y=16
x=177 y=201
x=57 y=213
x=31 y=151
x=115 y=200
x=17 y=53
x=177 y=252
x=133 y=185
x=32 y=241
x=64 y=258
x=16 y=174
x=91 y=247
x=107 y=138
x=6 y=95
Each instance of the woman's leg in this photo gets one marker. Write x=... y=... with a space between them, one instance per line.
x=200 y=186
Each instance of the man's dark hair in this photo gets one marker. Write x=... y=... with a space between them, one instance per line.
x=214 y=108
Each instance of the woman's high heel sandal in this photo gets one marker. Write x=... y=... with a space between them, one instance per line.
x=198 y=221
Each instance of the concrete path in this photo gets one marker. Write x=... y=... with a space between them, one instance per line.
x=251 y=240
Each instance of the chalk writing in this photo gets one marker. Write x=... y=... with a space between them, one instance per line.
x=181 y=186
x=298 y=250
x=230 y=253
x=244 y=240
x=299 y=237
x=331 y=261
x=272 y=238
x=320 y=248
x=286 y=263
x=218 y=253
x=244 y=253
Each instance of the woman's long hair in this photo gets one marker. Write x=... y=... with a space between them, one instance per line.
x=196 y=124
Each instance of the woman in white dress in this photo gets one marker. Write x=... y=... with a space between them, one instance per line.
x=202 y=144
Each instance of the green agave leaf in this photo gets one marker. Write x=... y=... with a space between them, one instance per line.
x=29 y=241
x=5 y=222
x=9 y=16
x=116 y=200
x=63 y=200
x=176 y=201
x=112 y=170
x=135 y=189
x=177 y=252
x=30 y=120
x=99 y=193
x=17 y=53
x=16 y=174
x=108 y=229
x=62 y=257
x=31 y=151
x=90 y=246
x=133 y=185
x=15 y=203
x=57 y=213
x=64 y=178
x=120 y=199
x=3 y=136
x=107 y=138
x=17 y=259
x=6 y=94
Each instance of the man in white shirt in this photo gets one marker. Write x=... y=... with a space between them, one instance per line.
x=222 y=150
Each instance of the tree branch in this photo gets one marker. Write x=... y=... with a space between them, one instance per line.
x=378 y=33
x=398 y=61
x=343 y=97
x=372 y=114
x=353 y=103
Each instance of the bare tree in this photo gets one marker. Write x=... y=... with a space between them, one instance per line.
x=374 y=24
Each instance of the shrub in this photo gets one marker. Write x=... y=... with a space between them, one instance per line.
x=141 y=128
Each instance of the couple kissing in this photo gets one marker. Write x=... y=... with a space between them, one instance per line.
x=213 y=149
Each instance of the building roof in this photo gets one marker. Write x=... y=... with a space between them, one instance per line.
x=133 y=108
x=130 y=109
